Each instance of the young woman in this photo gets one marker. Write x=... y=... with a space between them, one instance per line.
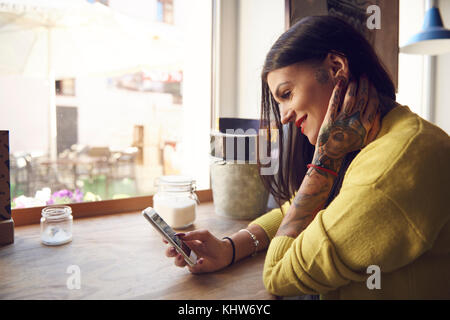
x=362 y=184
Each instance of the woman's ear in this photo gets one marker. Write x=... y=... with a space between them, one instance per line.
x=338 y=67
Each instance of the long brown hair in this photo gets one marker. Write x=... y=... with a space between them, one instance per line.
x=311 y=39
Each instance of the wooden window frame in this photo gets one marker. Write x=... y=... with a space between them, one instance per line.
x=287 y=14
x=26 y=216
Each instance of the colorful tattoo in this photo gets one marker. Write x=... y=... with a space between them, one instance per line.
x=351 y=123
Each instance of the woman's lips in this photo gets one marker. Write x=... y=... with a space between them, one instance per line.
x=299 y=122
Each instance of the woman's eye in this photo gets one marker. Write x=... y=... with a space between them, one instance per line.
x=286 y=95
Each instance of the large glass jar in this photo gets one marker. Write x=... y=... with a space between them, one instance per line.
x=176 y=201
x=56 y=225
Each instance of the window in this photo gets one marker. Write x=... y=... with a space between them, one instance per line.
x=164 y=11
x=65 y=87
x=110 y=133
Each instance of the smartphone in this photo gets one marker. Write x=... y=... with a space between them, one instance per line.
x=169 y=234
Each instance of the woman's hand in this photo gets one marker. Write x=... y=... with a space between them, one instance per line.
x=351 y=122
x=212 y=253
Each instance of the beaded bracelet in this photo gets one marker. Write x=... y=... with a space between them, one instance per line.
x=255 y=241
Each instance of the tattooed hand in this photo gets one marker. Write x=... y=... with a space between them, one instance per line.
x=349 y=125
x=352 y=121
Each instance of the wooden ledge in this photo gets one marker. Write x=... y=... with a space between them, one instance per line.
x=27 y=216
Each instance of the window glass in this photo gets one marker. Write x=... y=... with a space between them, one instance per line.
x=100 y=111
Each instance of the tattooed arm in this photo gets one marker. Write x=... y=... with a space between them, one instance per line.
x=349 y=125
x=309 y=200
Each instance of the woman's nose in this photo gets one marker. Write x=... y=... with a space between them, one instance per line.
x=287 y=116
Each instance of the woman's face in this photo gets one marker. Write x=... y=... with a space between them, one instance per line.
x=303 y=90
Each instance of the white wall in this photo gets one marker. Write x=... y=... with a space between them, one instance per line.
x=442 y=112
x=194 y=150
x=27 y=125
x=226 y=52
x=114 y=112
x=261 y=22
x=143 y=9
x=411 y=67
x=248 y=28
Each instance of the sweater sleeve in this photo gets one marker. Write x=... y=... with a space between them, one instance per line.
x=361 y=227
x=271 y=221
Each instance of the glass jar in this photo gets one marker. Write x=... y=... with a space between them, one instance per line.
x=56 y=225
x=176 y=201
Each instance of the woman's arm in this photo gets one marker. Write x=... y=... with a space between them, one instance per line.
x=310 y=199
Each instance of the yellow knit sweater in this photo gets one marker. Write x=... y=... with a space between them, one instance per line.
x=392 y=212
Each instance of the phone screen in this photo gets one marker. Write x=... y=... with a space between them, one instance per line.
x=170 y=232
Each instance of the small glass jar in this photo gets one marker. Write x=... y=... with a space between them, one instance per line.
x=176 y=201
x=56 y=225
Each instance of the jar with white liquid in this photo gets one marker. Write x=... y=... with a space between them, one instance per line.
x=56 y=225
x=175 y=200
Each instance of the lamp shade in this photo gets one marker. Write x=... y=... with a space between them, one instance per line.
x=433 y=39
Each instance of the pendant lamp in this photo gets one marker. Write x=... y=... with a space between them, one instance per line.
x=433 y=39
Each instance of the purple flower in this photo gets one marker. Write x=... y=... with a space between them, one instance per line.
x=63 y=193
x=78 y=196
x=65 y=196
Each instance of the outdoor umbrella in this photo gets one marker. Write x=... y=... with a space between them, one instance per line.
x=56 y=39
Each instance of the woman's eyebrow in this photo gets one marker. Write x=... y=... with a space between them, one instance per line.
x=277 y=93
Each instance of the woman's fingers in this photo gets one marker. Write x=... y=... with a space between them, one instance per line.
x=199 y=267
x=171 y=252
x=179 y=261
x=208 y=248
x=336 y=99
x=350 y=98
x=363 y=93
x=190 y=239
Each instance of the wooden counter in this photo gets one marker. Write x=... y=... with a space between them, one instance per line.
x=121 y=256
